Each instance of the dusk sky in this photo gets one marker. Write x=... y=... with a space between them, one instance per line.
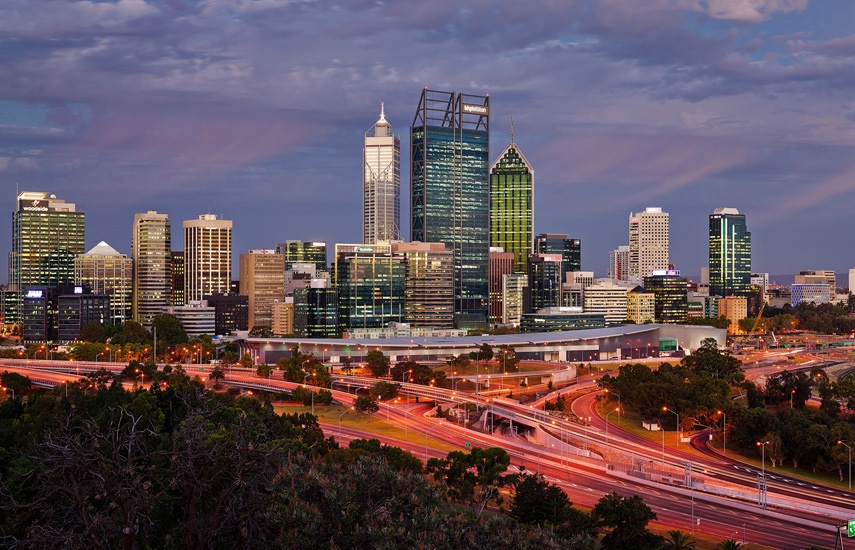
x=256 y=109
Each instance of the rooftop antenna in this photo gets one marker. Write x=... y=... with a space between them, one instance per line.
x=512 y=128
x=382 y=112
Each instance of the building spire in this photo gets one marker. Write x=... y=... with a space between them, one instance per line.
x=512 y=128
x=382 y=113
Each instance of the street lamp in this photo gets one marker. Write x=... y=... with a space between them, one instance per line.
x=618 y=404
x=724 y=431
x=792 y=393
x=761 y=489
x=617 y=410
x=339 y=420
x=13 y=397
x=839 y=442
x=678 y=423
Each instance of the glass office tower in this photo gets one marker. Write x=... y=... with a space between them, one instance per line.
x=558 y=243
x=512 y=206
x=450 y=146
x=371 y=282
x=730 y=254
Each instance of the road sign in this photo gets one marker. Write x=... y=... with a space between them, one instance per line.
x=468 y=444
x=850 y=528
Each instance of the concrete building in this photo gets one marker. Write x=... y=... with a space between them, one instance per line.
x=501 y=264
x=151 y=250
x=640 y=306
x=608 y=300
x=197 y=317
x=207 y=257
x=573 y=287
x=428 y=284
x=449 y=178
x=619 y=263
x=55 y=314
x=47 y=234
x=108 y=272
x=262 y=281
x=560 y=319
x=735 y=309
x=649 y=242
x=512 y=206
x=283 y=316
x=381 y=183
x=813 y=276
x=514 y=297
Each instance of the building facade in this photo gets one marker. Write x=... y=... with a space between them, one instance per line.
x=207 y=257
x=514 y=298
x=569 y=249
x=649 y=242
x=670 y=293
x=428 y=284
x=151 y=250
x=301 y=252
x=316 y=310
x=512 y=207
x=619 y=263
x=231 y=313
x=449 y=176
x=608 y=300
x=544 y=281
x=730 y=254
x=814 y=293
x=381 y=183
x=734 y=309
x=197 y=317
x=176 y=272
x=371 y=283
x=501 y=264
x=47 y=234
x=262 y=281
x=640 y=307
x=283 y=317
x=108 y=272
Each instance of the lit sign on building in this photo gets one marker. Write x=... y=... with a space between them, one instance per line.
x=475 y=109
x=666 y=272
x=35 y=294
x=78 y=290
x=34 y=206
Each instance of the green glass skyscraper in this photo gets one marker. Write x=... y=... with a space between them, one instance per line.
x=512 y=205
x=730 y=254
x=450 y=147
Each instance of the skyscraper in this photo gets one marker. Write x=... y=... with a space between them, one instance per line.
x=105 y=271
x=370 y=281
x=428 y=285
x=47 y=234
x=501 y=264
x=304 y=252
x=450 y=147
x=558 y=243
x=381 y=183
x=262 y=279
x=512 y=205
x=207 y=257
x=648 y=242
x=544 y=281
x=730 y=254
x=151 y=247
x=176 y=268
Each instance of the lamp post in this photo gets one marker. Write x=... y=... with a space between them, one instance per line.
x=839 y=442
x=617 y=410
x=678 y=423
x=792 y=393
x=618 y=404
x=13 y=394
x=761 y=487
x=339 y=420
x=724 y=431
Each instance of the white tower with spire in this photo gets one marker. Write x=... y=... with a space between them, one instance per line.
x=381 y=183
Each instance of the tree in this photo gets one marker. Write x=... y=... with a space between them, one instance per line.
x=131 y=332
x=347 y=364
x=246 y=361
x=261 y=332
x=708 y=360
x=729 y=544
x=365 y=404
x=93 y=332
x=378 y=363
x=169 y=330
x=17 y=382
x=627 y=517
x=217 y=375
x=536 y=501
x=678 y=540
x=263 y=370
x=473 y=478
x=383 y=390
x=484 y=353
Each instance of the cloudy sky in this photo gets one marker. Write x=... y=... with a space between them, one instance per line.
x=256 y=109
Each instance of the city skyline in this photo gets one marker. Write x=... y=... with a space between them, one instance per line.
x=133 y=106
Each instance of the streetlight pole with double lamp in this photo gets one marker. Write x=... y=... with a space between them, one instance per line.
x=724 y=432
x=678 y=422
x=761 y=486
x=339 y=420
